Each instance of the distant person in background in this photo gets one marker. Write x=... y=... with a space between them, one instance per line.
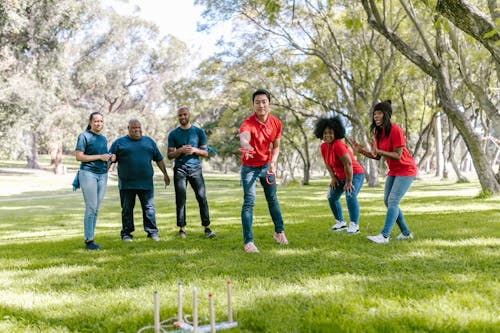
x=186 y=143
x=134 y=154
x=260 y=136
x=346 y=174
x=388 y=141
x=92 y=151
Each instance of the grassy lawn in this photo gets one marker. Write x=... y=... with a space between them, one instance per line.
x=445 y=280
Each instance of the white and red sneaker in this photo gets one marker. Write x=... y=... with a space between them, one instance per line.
x=280 y=238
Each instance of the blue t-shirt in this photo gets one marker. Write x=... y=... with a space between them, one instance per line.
x=193 y=136
x=134 y=162
x=93 y=144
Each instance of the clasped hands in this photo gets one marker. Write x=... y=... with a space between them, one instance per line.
x=188 y=149
x=360 y=148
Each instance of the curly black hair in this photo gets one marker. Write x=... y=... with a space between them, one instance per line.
x=334 y=123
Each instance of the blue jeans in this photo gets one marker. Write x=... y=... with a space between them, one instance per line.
x=127 y=199
x=395 y=189
x=93 y=187
x=249 y=177
x=183 y=175
x=350 y=198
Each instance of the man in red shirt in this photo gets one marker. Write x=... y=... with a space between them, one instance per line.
x=260 y=136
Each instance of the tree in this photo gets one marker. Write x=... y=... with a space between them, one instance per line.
x=432 y=60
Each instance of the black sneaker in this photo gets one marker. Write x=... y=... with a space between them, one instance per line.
x=92 y=246
x=209 y=233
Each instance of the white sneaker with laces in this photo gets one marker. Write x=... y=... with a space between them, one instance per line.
x=379 y=239
x=339 y=226
x=402 y=236
x=251 y=248
x=353 y=229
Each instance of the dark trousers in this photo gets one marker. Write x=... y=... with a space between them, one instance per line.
x=183 y=175
x=127 y=199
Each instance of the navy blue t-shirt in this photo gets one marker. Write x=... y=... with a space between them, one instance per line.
x=134 y=162
x=193 y=136
x=93 y=144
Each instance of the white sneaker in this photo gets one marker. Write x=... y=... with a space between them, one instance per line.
x=251 y=248
x=353 y=229
x=379 y=239
x=339 y=226
x=402 y=236
x=280 y=238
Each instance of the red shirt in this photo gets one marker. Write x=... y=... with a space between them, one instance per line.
x=405 y=166
x=331 y=155
x=262 y=134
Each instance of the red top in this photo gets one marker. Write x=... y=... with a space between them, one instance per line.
x=405 y=166
x=332 y=152
x=262 y=134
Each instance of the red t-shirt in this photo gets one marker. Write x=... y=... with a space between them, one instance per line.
x=261 y=137
x=405 y=166
x=331 y=155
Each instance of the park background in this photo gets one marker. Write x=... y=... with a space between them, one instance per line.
x=439 y=62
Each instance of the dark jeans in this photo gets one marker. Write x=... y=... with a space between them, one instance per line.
x=127 y=199
x=183 y=175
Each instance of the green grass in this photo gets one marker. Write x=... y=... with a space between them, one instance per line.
x=445 y=280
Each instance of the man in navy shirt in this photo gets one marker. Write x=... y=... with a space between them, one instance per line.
x=185 y=144
x=134 y=153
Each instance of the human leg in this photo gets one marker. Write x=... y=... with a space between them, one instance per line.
x=270 y=192
x=395 y=189
x=198 y=184
x=146 y=197
x=333 y=196
x=127 y=201
x=352 y=197
x=180 y=182
x=88 y=184
x=248 y=178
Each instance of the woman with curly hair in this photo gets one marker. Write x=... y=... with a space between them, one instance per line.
x=346 y=174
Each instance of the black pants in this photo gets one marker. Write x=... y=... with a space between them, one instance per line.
x=183 y=175
x=127 y=198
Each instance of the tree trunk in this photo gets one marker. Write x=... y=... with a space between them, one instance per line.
x=55 y=153
x=32 y=161
x=307 y=173
x=438 y=137
x=484 y=172
x=436 y=68
x=451 y=157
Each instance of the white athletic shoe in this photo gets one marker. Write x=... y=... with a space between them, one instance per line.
x=353 y=229
x=402 y=236
x=339 y=226
x=251 y=248
x=379 y=239
x=280 y=238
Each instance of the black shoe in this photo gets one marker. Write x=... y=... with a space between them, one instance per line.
x=182 y=234
x=209 y=233
x=91 y=246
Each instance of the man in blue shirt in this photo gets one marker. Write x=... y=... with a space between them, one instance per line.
x=185 y=144
x=134 y=153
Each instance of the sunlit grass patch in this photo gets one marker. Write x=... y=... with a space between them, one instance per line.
x=444 y=280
